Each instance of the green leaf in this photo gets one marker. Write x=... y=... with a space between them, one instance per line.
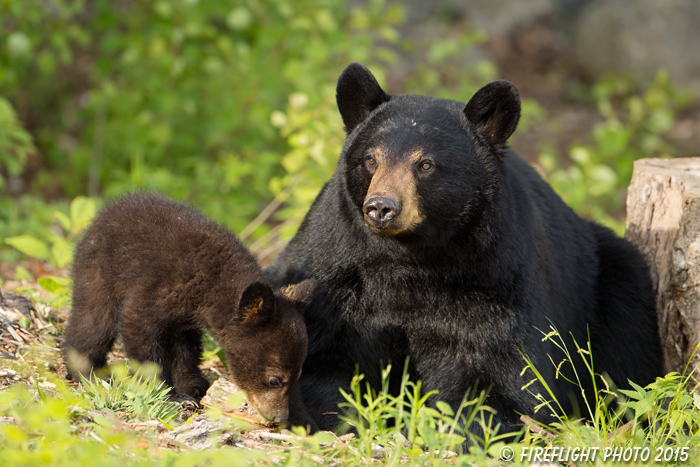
x=631 y=394
x=52 y=284
x=581 y=155
x=63 y=220
x=30 y=246
x=644 y=406
x=18 y=44
x=82 y=210
x=239 y=18
x=444 y=407
x=102 y=420
x=637 y=387
x=62 y=252
x=324 y=437
x=166 y=425
x=24 y=322
x=21 y=273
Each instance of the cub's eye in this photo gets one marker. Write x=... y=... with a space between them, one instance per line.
x=426 y=165
x=274 y=382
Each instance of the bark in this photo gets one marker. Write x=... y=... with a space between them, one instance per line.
x=663 y=222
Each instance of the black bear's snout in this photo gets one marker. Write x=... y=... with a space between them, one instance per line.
x=381 y=210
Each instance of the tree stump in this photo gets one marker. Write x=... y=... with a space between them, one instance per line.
x=663 y=222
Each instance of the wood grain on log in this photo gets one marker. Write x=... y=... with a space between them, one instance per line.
x=663 y=222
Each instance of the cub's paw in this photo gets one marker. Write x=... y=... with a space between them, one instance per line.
x=194 y=386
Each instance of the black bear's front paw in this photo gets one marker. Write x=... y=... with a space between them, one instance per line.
x=185 y=401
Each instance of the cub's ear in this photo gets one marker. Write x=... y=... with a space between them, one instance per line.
x=300 y=294
x=257 y=304
x=357 y=95
x=495 y=111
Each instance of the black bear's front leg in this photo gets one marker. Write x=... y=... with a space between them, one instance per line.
x=321 y=395
x=298 y=413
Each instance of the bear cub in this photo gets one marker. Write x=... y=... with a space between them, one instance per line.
x=155 y=272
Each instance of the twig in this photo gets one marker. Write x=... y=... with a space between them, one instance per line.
x=93 y=435
x=96 y=152
x=269 y=209
x=535 y=428
x=272 y=435
x=276 y=247
x=15 y=336
x=264 y=242
x=626 y=427
x=25 y=335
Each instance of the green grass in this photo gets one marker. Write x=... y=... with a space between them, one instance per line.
x=660 y=418
x=137 y=392
x=45 y=421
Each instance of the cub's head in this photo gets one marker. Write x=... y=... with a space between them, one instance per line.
x=267 y=345
x=416 y=164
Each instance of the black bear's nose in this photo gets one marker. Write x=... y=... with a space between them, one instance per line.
x=381 y=209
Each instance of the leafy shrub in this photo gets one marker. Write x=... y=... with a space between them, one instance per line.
x=595 y=179
x=175 y=96
x=57 y=248
x=227 y=104
x=16 y=143
x=662 y=415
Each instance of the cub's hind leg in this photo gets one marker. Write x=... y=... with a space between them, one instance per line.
x=92 y=326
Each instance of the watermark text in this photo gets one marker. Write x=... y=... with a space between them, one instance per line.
x=590 y=454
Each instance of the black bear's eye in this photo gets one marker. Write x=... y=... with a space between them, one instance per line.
x=274 y=382
x=370 y=163
x=426 y=165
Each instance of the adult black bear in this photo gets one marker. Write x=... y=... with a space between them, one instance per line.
x=156 y=272
x=434 y=241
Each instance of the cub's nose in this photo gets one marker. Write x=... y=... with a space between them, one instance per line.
x=275 y=416
x=281 y=417
x=380 y=210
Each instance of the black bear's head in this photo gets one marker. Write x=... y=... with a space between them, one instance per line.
x=416 y=165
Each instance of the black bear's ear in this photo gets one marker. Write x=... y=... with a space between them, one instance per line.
x=495 y=111
x=357 y=95
x=300 y=294
x=257 y=304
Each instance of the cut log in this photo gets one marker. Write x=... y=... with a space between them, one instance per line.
x=663 y=222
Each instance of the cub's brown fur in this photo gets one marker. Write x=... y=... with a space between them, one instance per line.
x=155 y=272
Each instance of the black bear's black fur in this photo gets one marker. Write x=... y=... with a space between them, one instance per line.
x=434 y=241
x=156 y=272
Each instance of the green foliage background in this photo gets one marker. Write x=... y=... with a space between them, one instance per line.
x=227 y=104
x=231 y=106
